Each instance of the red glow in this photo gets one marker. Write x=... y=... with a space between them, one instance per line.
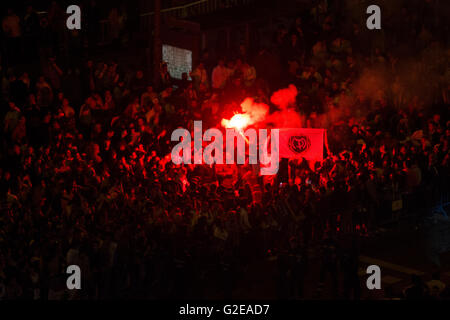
x=239 y=121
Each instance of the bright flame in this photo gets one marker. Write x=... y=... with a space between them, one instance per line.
x=238 y=121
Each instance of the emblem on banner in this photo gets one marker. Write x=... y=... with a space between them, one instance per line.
x=299 y=144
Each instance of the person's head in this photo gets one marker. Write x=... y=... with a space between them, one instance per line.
x=293 y=38
x=202 y=88
x=32 y=99
x=43 y=22
x=91 y=102
x=16 y=149
x=139 y=74
x=282 y=30
x=12 y=105
x=22 y=120
x=437 y=118
x=98 y=128
x=205 y=54
x=41 y=79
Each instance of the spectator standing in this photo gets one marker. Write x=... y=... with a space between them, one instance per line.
x=11 y=29
x=200 y=76
x=220 y=75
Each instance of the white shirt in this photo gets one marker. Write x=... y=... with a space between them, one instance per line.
x=219 y=77
x=201 y=75
x=11 y=26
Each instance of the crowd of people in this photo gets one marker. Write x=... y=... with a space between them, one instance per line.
x=86 y=176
